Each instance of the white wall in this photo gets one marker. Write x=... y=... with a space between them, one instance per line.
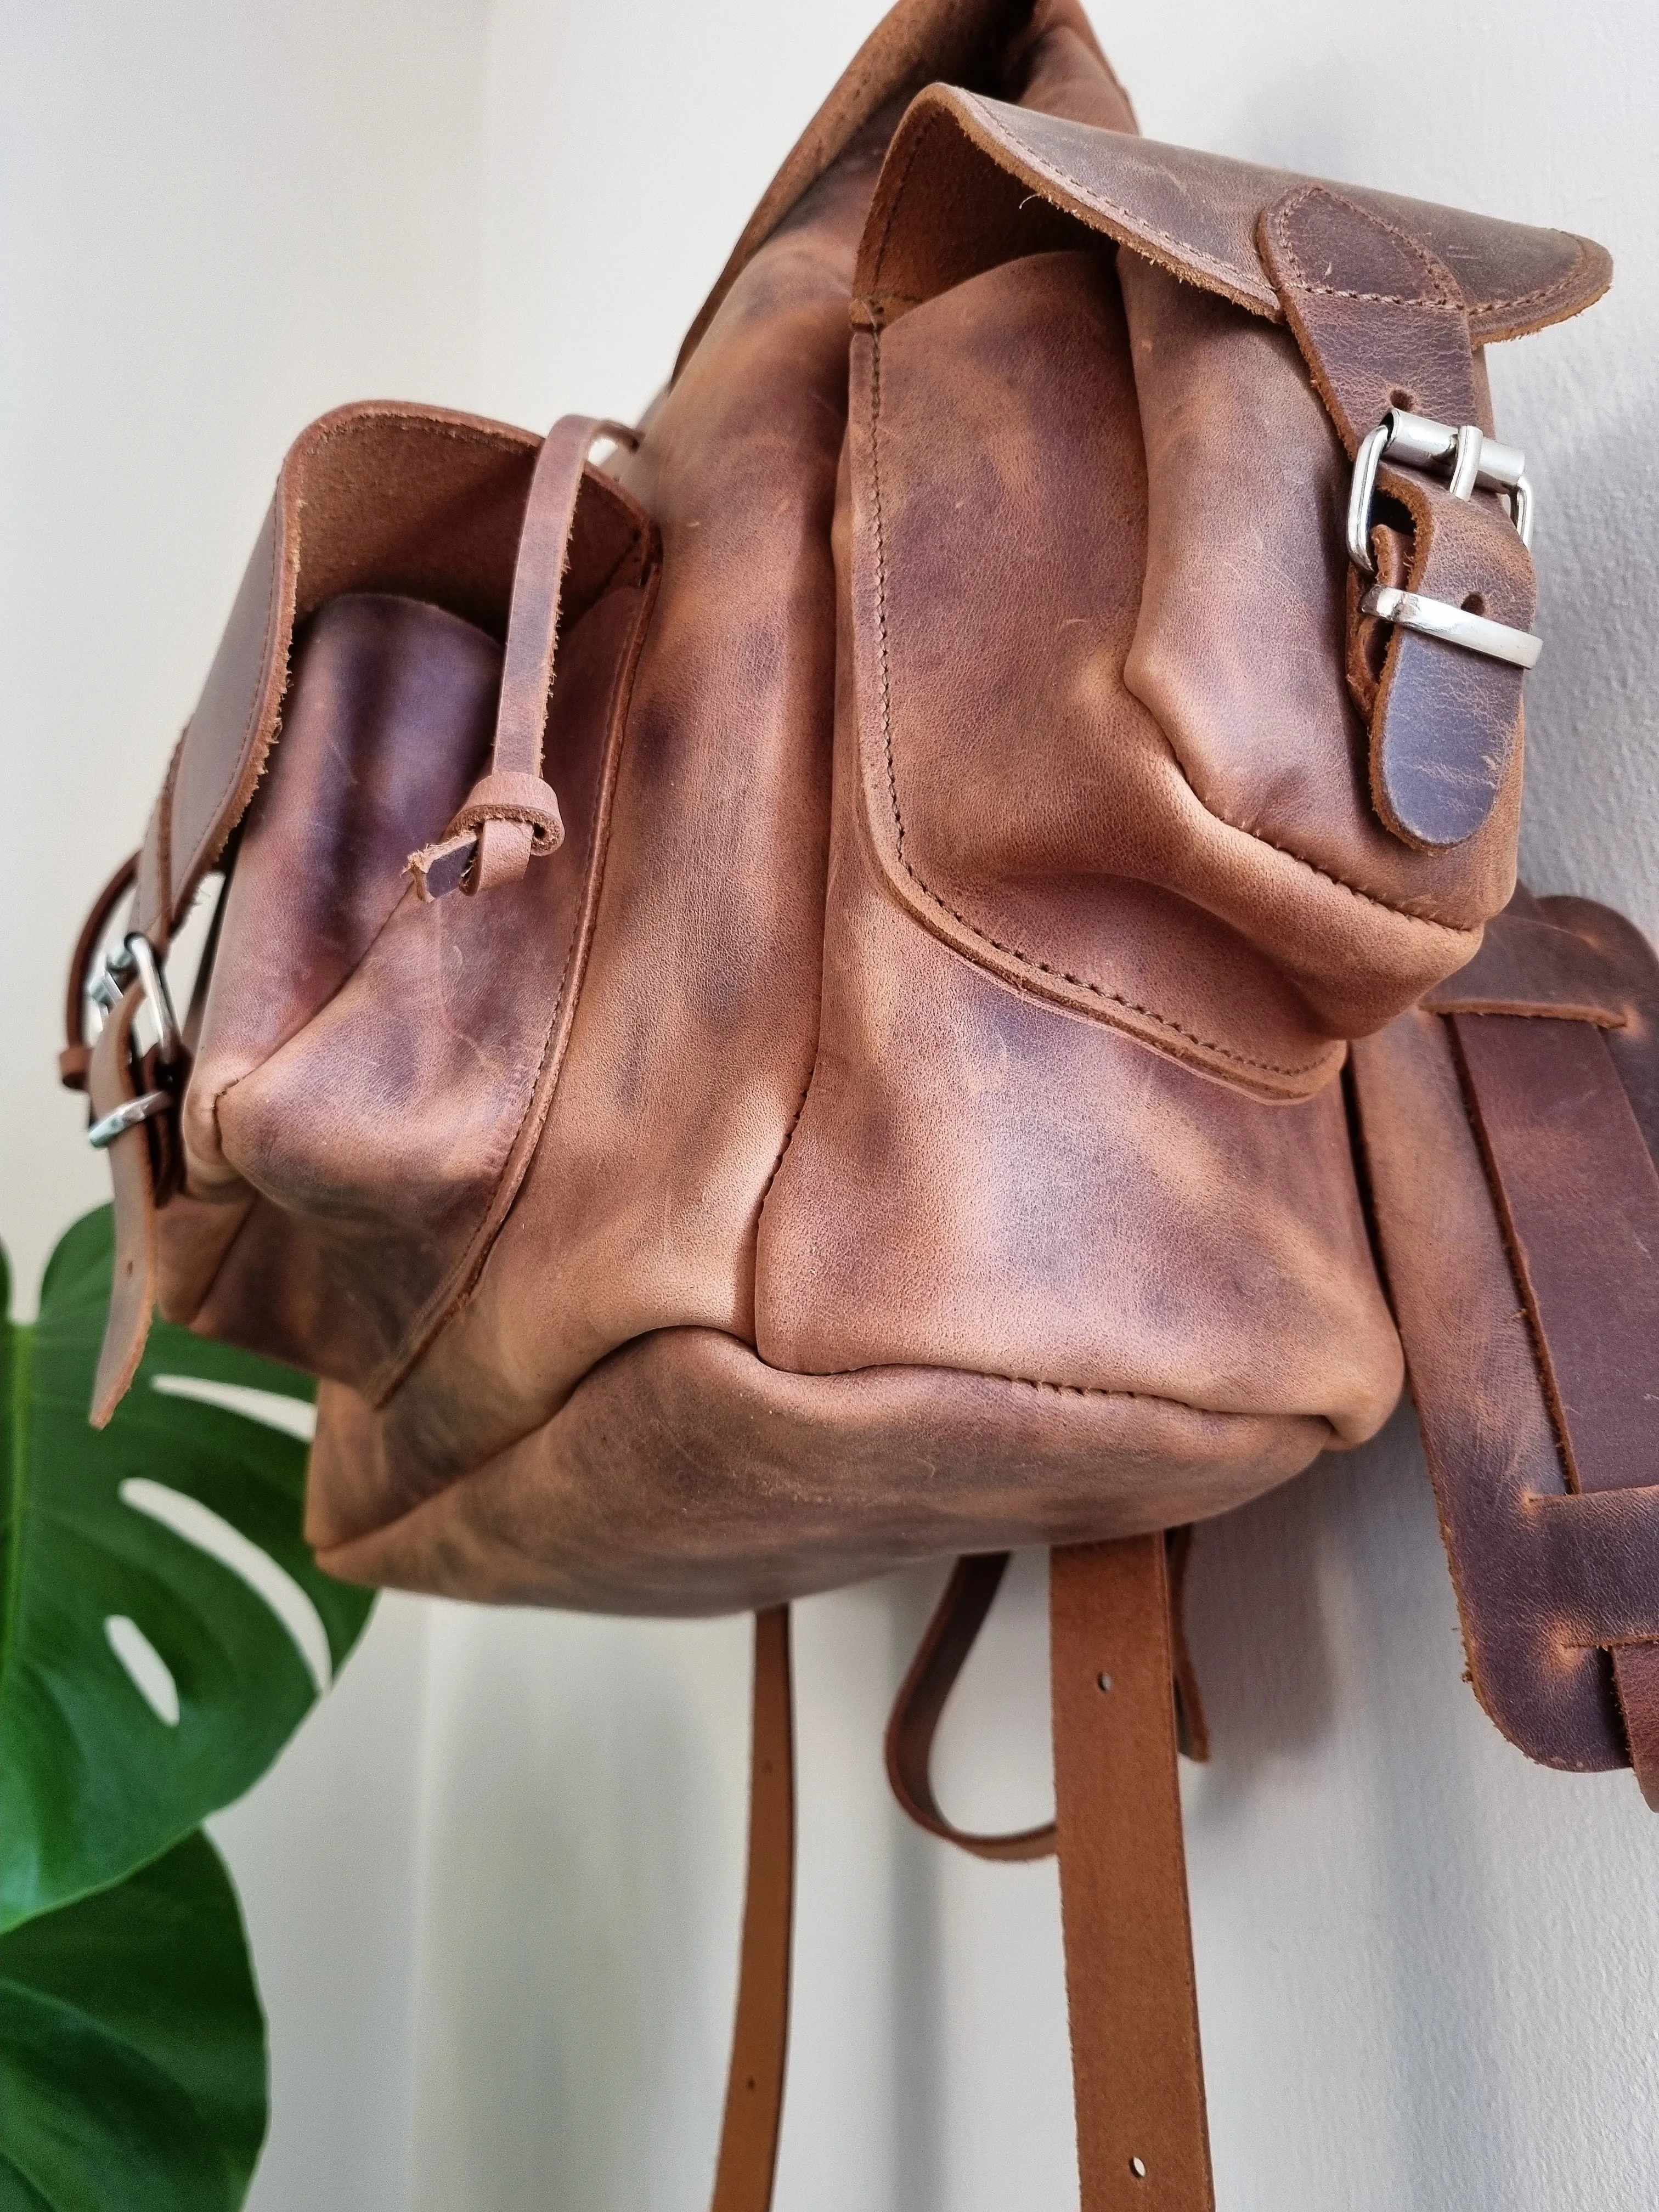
x=494 y=1886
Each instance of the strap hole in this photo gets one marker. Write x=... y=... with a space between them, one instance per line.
x=1138 y=2167
x=1401 y=398
x=1103 y=1682
x=1474 y=604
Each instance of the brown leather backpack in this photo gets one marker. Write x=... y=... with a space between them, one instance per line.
x=867 y=978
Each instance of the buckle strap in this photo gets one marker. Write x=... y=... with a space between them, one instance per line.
x=512 y=813
x=1439 y=632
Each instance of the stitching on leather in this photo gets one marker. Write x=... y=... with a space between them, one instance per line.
x=1439 y=277
x=447 y=1300
x=1011 y=951
x=1042 y=1382
x=901 y=188
x=1238 y=271
x=1562 y=284
x=788 y=1139
x=453 y=431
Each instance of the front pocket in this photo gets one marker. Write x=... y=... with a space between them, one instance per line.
x=390 y=1130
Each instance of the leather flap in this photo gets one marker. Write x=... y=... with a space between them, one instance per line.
x=377 y=498
x=1194 y=214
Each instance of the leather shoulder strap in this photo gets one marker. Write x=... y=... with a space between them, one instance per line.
x=1517 y=1211
x=760 y=2037
x=1138 y=2076
x=950 y=1637
x=1143 y=2139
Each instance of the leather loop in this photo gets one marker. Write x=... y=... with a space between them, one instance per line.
x=940 y=1656
x=950 y=1636
x=760 y=2038
x=1142 y=2136
x=511 y=814
x=511 y=796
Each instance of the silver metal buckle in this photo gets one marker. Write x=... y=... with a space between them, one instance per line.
x=134 y=961
x=144 y=1107
x=1473 y=462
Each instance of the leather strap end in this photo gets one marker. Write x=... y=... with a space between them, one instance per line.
x=1636 y=1675
x=73 y=1064
x=133 y=1287
x=437 y=870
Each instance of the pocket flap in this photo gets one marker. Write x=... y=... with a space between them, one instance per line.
x=1194 y=214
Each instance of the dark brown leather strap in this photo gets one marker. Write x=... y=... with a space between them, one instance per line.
x=512 y=812
x=1143 y=2139
x=1579 y=1198
x=760 y=2038
x=942 y=1654
x=1518 y=1210
x=75 y=1058
x=111 y=1083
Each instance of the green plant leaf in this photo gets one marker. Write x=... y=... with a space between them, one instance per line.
x=132 y=2048
x=156 y=1655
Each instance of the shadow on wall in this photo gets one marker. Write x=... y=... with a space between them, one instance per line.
x=1587 y=823
x=1322 y=1622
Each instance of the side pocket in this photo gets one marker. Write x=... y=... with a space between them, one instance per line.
x=376 y=1069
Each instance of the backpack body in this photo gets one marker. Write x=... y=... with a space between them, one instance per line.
x=923 y=957
x=906 y=1115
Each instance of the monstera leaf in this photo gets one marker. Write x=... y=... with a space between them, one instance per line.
x=132 y=2049
x=166 y=1628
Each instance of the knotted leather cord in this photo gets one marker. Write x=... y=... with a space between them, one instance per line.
x=511 y=811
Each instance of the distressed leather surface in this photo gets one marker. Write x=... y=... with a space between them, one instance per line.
x=1510 y=1135
x=904 y=1116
